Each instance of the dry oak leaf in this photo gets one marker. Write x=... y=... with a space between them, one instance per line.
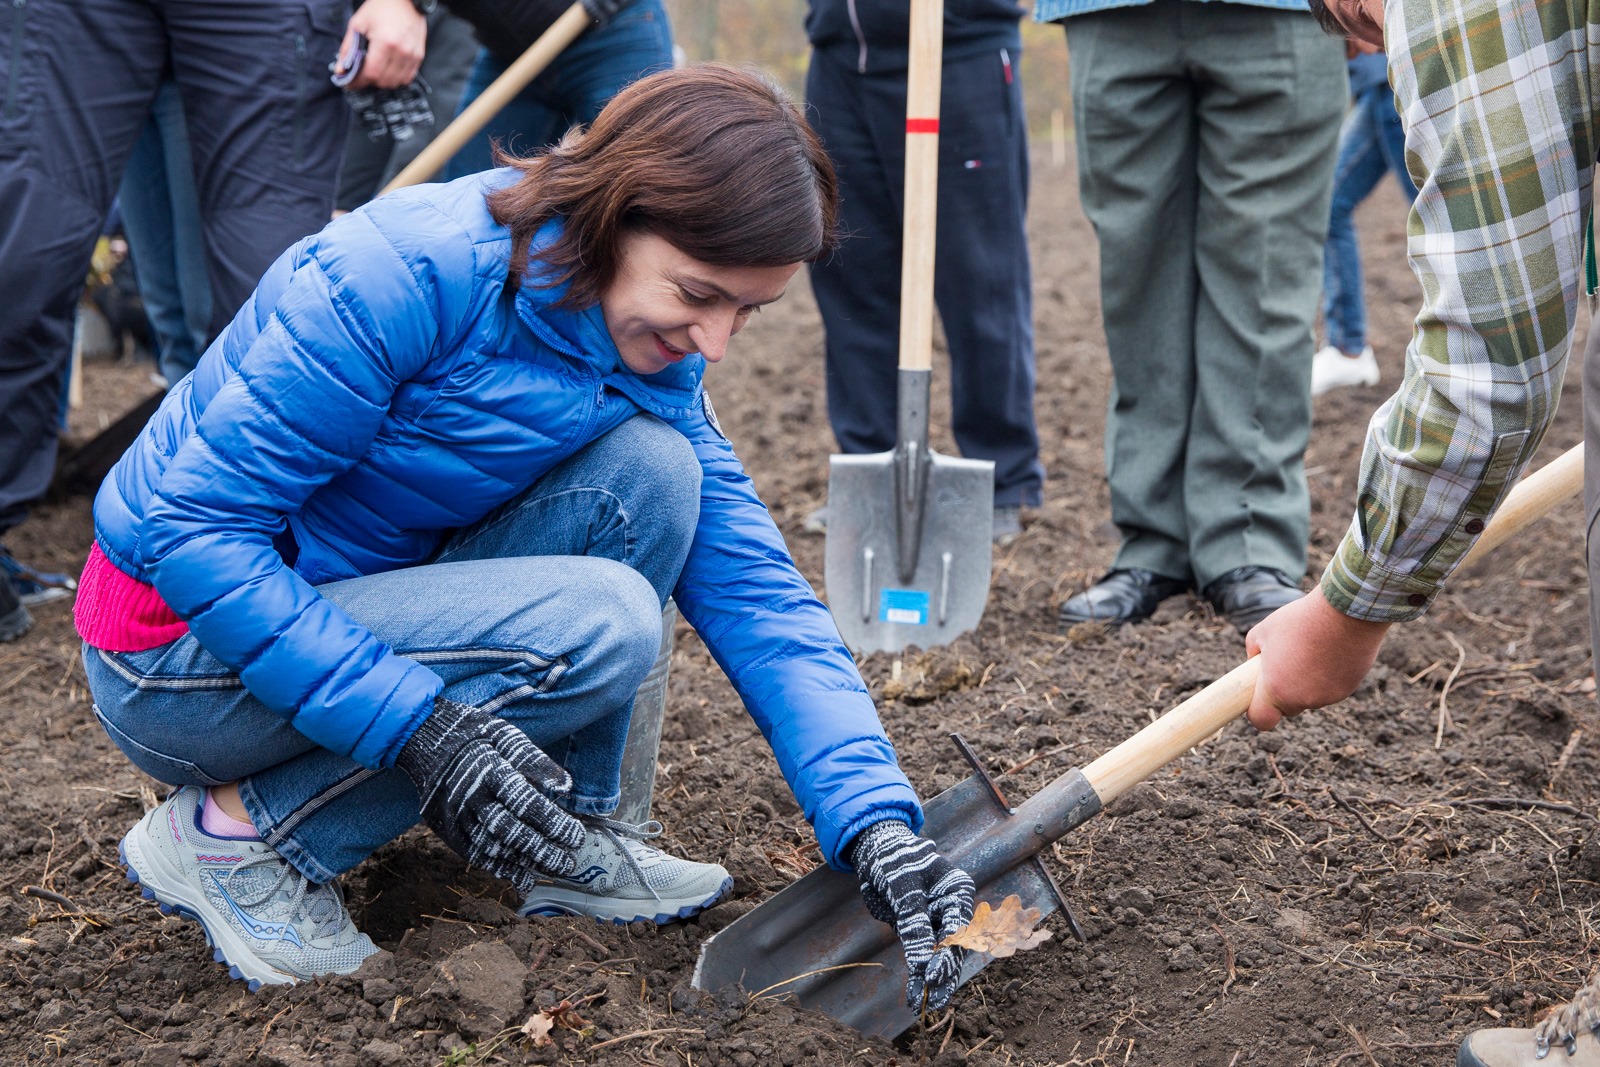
x=538 y=1028
x=1002 y=931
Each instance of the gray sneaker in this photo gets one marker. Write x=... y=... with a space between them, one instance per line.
x=263 y=918
x=620 y=879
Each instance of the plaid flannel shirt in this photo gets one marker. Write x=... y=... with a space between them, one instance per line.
x=1500 y=105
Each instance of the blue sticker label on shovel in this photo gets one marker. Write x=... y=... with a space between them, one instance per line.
x=907 y=606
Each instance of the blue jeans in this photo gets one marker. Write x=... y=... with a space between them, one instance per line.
x=572 y=89
x=161 y=215
x=546 y=612
x=1372 y=142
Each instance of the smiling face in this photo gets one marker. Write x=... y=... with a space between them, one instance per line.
x=1361 y=20
x=663 y=304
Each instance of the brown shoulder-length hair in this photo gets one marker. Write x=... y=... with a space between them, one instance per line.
x=716 y=160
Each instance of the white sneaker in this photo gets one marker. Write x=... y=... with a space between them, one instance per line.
x=263 y=918
x=621 y=880
x=1332 y=369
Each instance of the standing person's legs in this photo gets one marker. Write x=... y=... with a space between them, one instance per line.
x=523 y=126
x=982 y=280
x=76 y=78
x=606 y=60
x=555 y=637
x=266 y=126
x=1269 y=127
x=1391 y=136
x=1133 y=106
x=858 y=287
x=573 y=89
x=1357 y=171
x=161 y=215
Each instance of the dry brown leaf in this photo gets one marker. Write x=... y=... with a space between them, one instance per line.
x=538 y=1028
x=1002 y=931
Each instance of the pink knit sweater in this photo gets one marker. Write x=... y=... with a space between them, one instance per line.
x=121 y=614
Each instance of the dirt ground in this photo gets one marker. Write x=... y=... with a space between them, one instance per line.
x=1359 y=888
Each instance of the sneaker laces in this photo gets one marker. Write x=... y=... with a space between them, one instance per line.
x=319 y=906
x=1582 y=1011
x=629 y=838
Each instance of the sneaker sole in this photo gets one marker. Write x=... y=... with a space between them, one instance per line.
x=43 y=595
x=255 y=973
x=557 y=902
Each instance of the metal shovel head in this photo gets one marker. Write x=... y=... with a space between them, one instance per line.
x=877 y=607
x=816 y=940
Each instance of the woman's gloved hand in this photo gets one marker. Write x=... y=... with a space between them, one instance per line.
x=486 y=791
x=926 y=898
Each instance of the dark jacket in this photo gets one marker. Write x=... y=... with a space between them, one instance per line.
x=507 y=27
x=873 y=36
x=381 y=389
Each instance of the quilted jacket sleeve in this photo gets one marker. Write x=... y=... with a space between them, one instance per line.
x=779 y=646
x=342 y=320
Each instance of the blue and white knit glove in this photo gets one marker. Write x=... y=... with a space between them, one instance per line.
x=485 y=789
x=925 y=897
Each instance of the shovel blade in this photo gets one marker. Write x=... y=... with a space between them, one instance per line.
x=787 y=945
x=876 y=607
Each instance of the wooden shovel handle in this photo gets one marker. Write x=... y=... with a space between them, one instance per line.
x=551 y=43
x=922 y=184
x=1225 y=699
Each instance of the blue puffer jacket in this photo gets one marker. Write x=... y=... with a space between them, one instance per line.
x=380 y=389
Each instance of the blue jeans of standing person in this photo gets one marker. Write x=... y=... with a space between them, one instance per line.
x=1372 y=143
x=161 y=216
x=546 y=612
x=571 y=90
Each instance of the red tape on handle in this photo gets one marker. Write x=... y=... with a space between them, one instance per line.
x=922 y=125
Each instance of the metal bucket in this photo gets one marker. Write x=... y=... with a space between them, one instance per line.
x=644 y=730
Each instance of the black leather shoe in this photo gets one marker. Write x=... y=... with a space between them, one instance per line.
x=1246 y=595
x=1128 y=595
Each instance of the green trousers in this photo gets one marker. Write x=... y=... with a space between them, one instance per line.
x=1206 y=137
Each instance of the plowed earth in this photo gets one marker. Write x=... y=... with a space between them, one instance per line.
x=1361 y=887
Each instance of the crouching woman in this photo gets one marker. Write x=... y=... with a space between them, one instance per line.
x=398 y=548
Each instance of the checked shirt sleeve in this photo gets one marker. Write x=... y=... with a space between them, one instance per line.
x=1498 y=101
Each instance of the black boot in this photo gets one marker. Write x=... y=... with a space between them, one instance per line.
x=1126 y=595
x=1246 y=595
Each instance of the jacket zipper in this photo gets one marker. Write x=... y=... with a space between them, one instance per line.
x=299 y=94
x=19 y=15
x=861 y=38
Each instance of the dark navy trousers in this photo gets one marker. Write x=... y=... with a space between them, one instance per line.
x=982 y=280
x=77 y=78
